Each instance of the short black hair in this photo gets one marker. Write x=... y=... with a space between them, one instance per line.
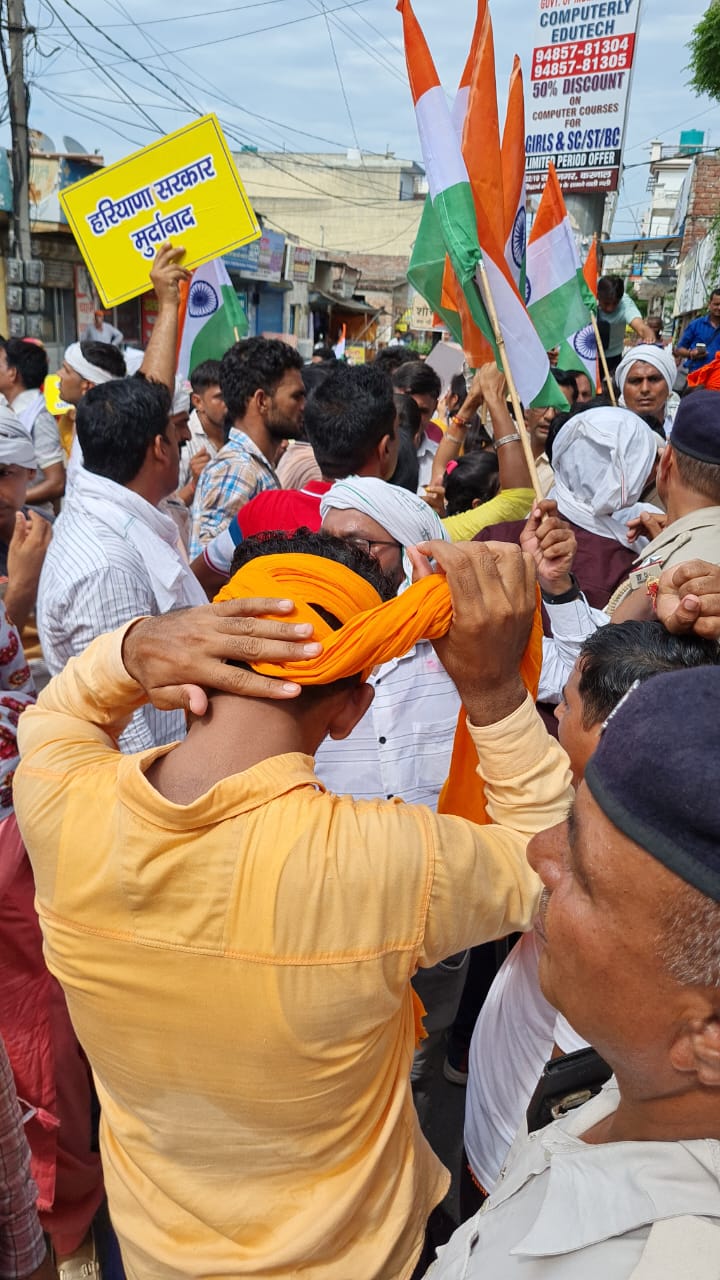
x=323 y=353
x=715 y=293
x=346 y=417
x=611 y=288
x=106 y=357
x=458 y=387
x=117 y=421
x=476 y=475
x=615 y=656
x=28 y=358
x=416 y=378
x=409 y=415
x=205 y=375
x=306 y=542
x=566 y=378
x=256 y=364
x=313 y=375
x=390 y=358
x=407 y=469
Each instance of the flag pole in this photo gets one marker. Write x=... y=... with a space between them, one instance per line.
x=603 y=360
x=522 y=430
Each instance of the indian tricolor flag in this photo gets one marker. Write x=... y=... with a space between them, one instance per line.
x=557 y=294
x=580 y=350
x=513 y=170
x=211 y=318
x=460 y=214
x=482 y=153
x=447 y=229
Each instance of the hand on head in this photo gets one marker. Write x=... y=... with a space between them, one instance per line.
x=179 y=655
x=492 y=586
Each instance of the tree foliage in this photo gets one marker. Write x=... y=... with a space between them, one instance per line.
x=705 y=52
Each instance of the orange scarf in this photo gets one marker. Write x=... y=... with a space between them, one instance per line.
x=707 y=376
x=373 y=632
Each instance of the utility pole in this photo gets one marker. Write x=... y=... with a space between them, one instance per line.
x=18 y=101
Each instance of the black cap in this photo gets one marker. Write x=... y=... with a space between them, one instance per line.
x=654 y=773
x=696 y=429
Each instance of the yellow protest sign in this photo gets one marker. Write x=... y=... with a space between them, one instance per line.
x=184 y=188
x=54 y=402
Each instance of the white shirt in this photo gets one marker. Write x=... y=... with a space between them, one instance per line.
x=571 y=624
x=95 y=579
x=426 y=451
x=567 y=1210
x=402 y=745
x=198 y=440
x=512 y=1041
x=30 y=408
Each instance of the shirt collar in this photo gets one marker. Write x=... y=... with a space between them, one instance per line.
x=602 y=1185
x=243 y=441
x=703 y=518
x=238 y=793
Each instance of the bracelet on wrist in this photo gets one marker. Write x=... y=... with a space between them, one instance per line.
x=454 y=439
x=462 y=423
x=507 y=440
x=565 y=597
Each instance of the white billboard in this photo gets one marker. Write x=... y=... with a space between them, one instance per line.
x=579 y=85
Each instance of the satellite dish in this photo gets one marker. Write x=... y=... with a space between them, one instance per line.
x=73 y=147
x=41 y=142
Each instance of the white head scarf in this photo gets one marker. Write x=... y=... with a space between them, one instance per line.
x=407 y=518
x=602 y=461
x=656 y=356
x=16 y=446
x=181 y=397
x=91 y=372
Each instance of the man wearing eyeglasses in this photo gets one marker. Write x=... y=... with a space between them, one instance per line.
x=403 y=744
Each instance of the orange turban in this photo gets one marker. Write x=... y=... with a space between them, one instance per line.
x=372 y=632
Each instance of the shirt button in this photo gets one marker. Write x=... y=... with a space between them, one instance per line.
x=382 y=741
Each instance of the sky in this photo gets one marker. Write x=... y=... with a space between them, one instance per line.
x=312 y=75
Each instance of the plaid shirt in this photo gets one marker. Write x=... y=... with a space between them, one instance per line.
x=22 y=1245
x=238 y=472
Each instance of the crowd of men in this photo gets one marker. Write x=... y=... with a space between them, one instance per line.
x=307 y=698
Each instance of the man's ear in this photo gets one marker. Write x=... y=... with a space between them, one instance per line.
x=665 y=464
x=696 y=1049
x=159 y=448
x=350 y=711
x=195 y=400
x=260 y=400
x=384 y=453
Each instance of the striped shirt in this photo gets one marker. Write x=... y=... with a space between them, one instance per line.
x=22 y=1244
x=94 y=580
x=232 y=478
x=402 y=745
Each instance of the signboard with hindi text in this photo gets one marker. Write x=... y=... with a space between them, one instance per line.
x=580 y=81
x=184 y=188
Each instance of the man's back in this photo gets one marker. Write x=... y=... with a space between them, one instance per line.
x=250 y=1025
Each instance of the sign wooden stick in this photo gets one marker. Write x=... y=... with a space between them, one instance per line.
x=512 y=389
x=603 y=360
